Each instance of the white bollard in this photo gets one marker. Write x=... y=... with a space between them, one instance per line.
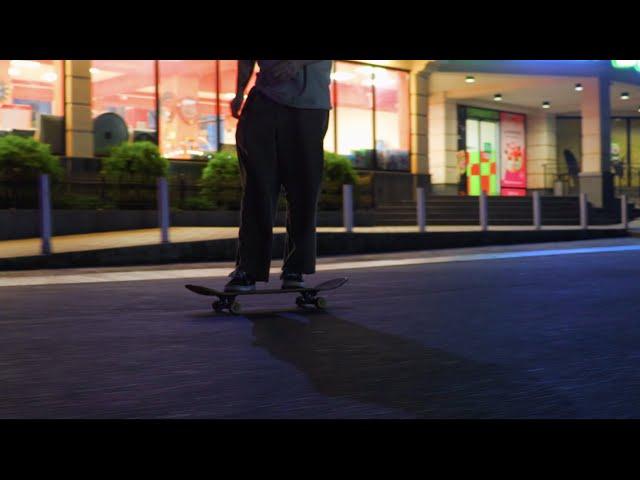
x=421 y=209
x=624 y=214
x=537 y=211
x=45 y=213
x=584 y=211
x=163 y=209
x=347 y=207
x=484 y=211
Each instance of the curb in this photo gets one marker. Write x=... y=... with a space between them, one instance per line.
x=328 y=244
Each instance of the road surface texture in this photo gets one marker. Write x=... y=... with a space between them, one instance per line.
x=527 y=331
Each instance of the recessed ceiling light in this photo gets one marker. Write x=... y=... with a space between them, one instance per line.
x=579 y=87
x=546 y=105
x=624 y=96
x=470 y=79
x=497 y=97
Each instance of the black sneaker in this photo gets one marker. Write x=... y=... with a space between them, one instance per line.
x=241 y=281
x=292 y=280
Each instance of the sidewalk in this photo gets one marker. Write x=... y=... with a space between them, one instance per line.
x=151 y=236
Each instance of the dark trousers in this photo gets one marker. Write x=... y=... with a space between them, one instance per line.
x=279 y=146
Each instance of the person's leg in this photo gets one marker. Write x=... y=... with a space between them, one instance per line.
x=301 y=158
x=256 y=144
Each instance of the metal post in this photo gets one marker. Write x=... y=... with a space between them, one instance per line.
x=45 y=213
x=484 y=211
x=347 y=207
x=624 y=214
x=584 y=212
x=421 y=209
x=537 y=211
x=163 y=209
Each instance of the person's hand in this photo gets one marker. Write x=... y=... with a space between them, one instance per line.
x=236 y=104
x=286 y=69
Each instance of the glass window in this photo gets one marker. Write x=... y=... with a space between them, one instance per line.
x=354 y=111
x=482 y=141
x=619 y=149
x=29 y=89
x=330 y=137
x=568 y=137
x=188 y=107
x=634 y=170
x=228 y=79
x=128 y=89
x=392 y=118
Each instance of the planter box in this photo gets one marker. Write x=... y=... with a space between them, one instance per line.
x=16 y=224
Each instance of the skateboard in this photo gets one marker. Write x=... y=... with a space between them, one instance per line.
x=307 y=295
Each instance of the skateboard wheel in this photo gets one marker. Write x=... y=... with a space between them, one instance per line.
x=216 y=306
x=300 y=302
x=321 y=302
x=235 y=308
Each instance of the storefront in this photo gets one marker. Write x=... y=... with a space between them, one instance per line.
x=456 y=126
x=516 y=126
x=625 y=148
x=183 y=105
x=491 y=151
x=369 y=122
x=31 y=97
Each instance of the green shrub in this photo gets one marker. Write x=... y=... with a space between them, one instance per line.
x=338 y=170
x=220 y=182
x=138 y=161
x=80 y=202
x=222 y=168
x=197 y=203
x=23 y=158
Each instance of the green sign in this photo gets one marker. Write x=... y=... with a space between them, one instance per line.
x=626 y=64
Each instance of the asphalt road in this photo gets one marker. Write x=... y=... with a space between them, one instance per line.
x=541 y=336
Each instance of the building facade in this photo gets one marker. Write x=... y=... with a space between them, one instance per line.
x=455 y=126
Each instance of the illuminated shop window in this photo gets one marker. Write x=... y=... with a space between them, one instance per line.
x=634 y=172
x=492 y=152
x=354 y=112
x=625 y=151
x=194 y=99
x=568 y=137
x=392 y=118
x=625 y=147
x=372 y=115
x=228 y=79
x=619 y=150
x=188 y=108
x=30 y=89
x=126 y=88
x=330 y=137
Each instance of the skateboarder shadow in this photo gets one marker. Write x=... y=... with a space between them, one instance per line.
x=344 y=359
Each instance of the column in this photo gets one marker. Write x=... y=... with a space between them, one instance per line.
x=595 y=177
x=541 y=149
x=442 y=144
x=418 y=111
x=78 y=120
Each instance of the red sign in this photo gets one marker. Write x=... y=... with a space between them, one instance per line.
x=514 y=171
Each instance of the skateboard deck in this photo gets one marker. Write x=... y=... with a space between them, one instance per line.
x=307 y=295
